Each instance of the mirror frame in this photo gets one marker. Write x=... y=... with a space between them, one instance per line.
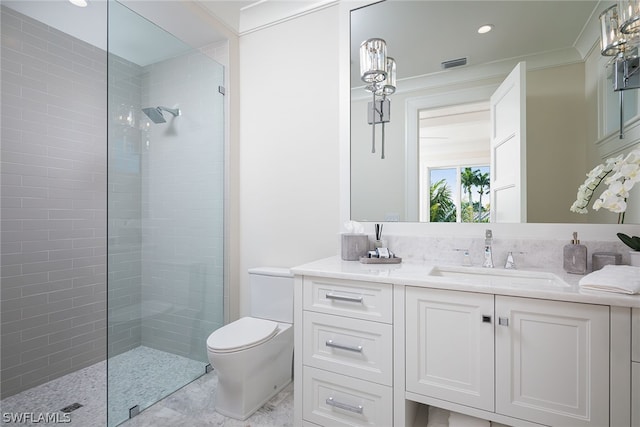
x=601 y=232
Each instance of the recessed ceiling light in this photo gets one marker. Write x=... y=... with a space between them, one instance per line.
x=79 y=3
x=485 y=29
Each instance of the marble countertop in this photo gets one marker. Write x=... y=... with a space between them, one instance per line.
x=418 y=274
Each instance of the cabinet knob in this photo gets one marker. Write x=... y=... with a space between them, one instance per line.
x=503 y=321
x=486 y=318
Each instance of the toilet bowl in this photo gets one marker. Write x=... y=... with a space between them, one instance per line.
x=253 y=356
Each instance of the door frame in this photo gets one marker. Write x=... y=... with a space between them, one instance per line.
x=412 y=135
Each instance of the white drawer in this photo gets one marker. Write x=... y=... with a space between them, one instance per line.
x=362 y=300
x=635 y=335
x=332 y=399
x=353 y=347
x=635 y=394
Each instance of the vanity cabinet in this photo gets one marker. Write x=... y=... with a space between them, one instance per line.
x=375 y=346
x=551 y=358
x=347 y=352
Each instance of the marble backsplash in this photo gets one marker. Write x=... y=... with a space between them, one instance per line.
x=527 y=253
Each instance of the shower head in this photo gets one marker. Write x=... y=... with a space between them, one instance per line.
x=155 y=113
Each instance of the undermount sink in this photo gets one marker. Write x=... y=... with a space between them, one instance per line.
x=487 y=276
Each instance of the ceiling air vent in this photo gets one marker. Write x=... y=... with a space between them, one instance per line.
x=454 y=63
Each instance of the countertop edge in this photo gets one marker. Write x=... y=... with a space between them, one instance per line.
x=413 y=274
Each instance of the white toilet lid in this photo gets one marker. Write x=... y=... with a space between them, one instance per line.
x=243 y=333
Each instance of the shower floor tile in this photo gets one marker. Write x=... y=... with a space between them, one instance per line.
x=143 y=376
x=87 y=386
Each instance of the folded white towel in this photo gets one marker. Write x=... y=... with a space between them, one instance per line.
x=460 y=420
x=623 y=279
x=438 y=417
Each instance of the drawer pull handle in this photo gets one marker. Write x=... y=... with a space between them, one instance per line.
x=331 y=402
x=355 y=349
x=503 y=321
x=344 y=298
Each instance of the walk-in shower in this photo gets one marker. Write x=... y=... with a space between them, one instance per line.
x=156 y=116
x=113 y=229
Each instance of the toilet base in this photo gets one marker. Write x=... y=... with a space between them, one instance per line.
x=242 y=417
x=249 y=378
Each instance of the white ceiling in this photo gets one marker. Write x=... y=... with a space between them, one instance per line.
x=137 y=39
x=422 y=34
x=419 y=34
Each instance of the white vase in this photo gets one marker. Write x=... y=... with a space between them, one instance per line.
x=635 y=258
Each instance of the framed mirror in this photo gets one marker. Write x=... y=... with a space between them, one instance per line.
x=438 y=140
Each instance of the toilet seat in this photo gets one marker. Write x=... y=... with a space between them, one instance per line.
x=244 y=333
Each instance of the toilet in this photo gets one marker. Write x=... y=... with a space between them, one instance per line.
x=253 y=356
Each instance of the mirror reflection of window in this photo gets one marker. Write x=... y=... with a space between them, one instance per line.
x=458 y=194
x=454 y=158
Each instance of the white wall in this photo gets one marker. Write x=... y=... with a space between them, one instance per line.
x=289 y=151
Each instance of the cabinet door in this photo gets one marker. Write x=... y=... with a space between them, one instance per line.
x=449 y=336
x=552 y=361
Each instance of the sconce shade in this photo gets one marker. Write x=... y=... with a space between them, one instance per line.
x=629 y=16
x=373 y=60
x=612 y=40
x=388 y=85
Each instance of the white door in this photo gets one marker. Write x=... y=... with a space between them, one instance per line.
x=552 y=361
x=449 y=346
x=508 y=148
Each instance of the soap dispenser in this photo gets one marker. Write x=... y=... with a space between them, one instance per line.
x=575 y=256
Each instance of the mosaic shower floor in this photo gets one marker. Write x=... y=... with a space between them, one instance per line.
x=143 y=376
x=87 y=386
x=190 y=406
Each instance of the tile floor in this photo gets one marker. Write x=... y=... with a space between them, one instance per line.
x=190 y=406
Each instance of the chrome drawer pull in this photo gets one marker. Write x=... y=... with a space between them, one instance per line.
x=330 y=343
x=357 y=409
x=343 y=298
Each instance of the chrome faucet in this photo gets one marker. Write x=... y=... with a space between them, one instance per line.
x=488 y=258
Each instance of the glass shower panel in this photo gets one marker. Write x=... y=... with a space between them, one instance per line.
x=165 y=212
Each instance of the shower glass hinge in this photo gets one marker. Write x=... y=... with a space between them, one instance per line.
x=134 y=411
x=221 y=89
x=208 y=368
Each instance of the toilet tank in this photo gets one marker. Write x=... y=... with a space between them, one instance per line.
x=271 y=293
